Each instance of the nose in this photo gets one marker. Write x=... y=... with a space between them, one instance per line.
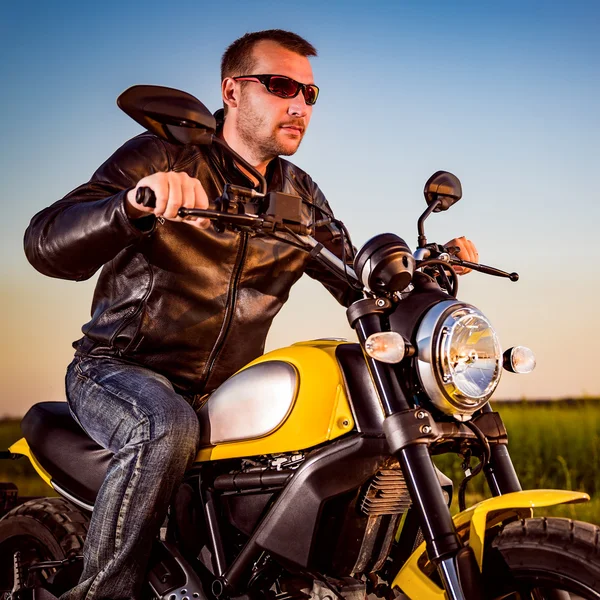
x=298 y=106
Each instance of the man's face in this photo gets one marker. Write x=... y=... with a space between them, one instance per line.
x=271 y=126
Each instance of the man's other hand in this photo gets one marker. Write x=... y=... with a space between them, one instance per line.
x=173 y=191
x=467 y=251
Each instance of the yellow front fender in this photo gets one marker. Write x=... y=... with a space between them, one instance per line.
x=472 y=524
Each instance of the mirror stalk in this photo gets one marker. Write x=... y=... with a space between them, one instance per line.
x=422 y=240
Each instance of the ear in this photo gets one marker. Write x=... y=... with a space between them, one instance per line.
x=230 y=92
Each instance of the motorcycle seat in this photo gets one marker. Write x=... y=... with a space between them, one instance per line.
x=75 y=463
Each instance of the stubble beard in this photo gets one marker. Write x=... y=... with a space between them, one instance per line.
x=251 y=125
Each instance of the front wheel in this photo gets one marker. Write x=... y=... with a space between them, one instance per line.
x=544 y=558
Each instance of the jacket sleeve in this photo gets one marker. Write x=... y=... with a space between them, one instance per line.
x=74 y=237
x=331 y=237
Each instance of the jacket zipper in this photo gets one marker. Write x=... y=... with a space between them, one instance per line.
x=133 y=313
x=229 y=310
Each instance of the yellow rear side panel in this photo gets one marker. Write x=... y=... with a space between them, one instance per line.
x=321 y=410
x=22 y=447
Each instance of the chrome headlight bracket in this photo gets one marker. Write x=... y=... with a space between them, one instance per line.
x=459 y=359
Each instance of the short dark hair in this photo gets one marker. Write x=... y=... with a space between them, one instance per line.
x=238 y=59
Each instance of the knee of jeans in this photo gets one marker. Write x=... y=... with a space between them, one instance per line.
x=180 y=428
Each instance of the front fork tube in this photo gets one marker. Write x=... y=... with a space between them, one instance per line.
x=389 y=390
x=500 y=472
x=429 y=502
x=461 y=579
x=415 y=460
x=443 y=543
x=451 y=580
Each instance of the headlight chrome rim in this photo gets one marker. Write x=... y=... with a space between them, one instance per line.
x=434 y=340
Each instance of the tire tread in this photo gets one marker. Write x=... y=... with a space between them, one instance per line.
x=551 y=543
x=67 y=524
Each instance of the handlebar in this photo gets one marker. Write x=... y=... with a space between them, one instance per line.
x=146 y=197
x=268 y=225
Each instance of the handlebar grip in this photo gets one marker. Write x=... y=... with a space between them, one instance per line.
x=146 y=197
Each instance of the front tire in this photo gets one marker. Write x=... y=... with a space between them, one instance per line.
x=541 y=554
x=42 y=529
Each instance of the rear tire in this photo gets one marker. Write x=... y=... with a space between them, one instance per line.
x=544 y=554
x=43 y=529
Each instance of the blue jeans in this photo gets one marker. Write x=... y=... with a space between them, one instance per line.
x=154 y=434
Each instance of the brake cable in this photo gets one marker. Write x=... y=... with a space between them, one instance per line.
x=286 y=240
x=346 y=238
x=320 y=246
x=484 y=460
x=453 y=291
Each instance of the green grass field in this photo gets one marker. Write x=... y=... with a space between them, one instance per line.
x=553 y=445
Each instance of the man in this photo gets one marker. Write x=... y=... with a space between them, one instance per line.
x=178 y=307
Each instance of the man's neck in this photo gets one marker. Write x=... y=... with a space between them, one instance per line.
x=236 y=143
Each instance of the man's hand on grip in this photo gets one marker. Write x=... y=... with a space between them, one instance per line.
x=467 y=251
x=172 y=190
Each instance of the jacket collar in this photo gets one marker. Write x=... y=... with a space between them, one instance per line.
x=274 y=174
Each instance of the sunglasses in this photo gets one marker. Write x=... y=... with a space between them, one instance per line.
x=284 y=87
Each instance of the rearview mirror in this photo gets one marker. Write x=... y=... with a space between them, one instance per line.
x=171 y=114
x=180 y=118
x=445 y=187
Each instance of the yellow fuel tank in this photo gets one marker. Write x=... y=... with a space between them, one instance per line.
x=287 y=400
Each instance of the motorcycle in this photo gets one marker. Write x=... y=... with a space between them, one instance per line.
x=325 y=488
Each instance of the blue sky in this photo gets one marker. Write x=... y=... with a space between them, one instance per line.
x=504 y=94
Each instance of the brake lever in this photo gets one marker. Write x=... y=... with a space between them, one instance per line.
x=483 y=268
x=454 y=260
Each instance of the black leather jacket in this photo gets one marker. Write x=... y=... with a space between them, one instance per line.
x=194 y=305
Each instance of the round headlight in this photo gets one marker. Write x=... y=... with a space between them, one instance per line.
x=459 y=358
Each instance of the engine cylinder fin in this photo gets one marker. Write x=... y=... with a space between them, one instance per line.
x=386 y=494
